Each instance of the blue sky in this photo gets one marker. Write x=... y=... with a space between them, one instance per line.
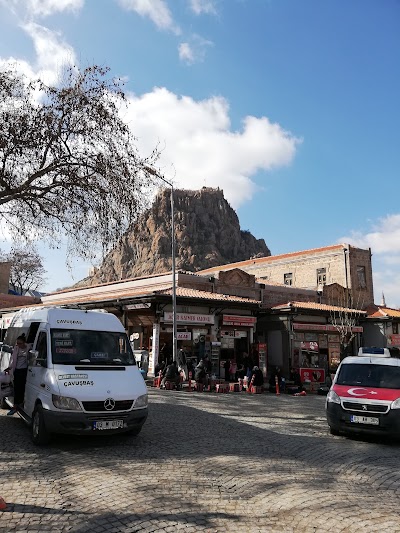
x=290 y=106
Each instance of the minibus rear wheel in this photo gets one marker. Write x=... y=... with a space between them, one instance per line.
x=39 y=432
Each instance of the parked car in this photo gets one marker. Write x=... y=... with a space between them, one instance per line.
x=365 y=394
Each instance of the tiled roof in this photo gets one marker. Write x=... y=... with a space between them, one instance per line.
x=160 y=289
x=272 y=258
x=318 y=307
x=109 y=283
x=203 y=295
x=383 y=312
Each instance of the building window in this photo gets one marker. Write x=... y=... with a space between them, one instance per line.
x=321 y=276
x=362 y=282
x=288 y=278
x=395 y=328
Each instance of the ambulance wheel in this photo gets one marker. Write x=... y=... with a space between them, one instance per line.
x=39 y=432
x=334 y=431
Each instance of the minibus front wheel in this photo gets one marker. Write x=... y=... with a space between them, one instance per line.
x=39 y=432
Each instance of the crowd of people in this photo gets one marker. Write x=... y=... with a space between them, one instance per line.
x=246 y=371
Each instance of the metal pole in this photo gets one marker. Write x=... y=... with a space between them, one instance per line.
x=174 y=329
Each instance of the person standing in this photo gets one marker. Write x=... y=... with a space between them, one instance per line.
x=19 y=368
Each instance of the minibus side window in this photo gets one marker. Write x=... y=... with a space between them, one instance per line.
x=41 y=348
x=32 y=332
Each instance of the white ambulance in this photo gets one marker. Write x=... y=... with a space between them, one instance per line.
x=82 y=375
x=365 y=394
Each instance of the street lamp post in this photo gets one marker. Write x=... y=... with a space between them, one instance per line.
x=174 y=328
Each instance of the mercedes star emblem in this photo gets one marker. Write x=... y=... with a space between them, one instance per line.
x=109 y=404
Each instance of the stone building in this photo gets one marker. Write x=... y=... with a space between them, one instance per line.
x=341 y=274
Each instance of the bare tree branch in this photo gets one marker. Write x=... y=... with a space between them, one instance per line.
x=69 y=164
x=27 y=271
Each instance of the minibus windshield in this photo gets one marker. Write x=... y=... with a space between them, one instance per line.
x=71 y=347
x=376 y=376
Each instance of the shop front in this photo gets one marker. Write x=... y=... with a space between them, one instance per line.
x=236 y=336
x=195 y=333
x=316 y=350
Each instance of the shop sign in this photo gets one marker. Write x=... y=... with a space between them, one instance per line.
x=235 y=320
x=394 y=340
x=189 y=318
x=324 y=327
x=6 y=320
x=310 y=346
x=184 y=335
x=153 y=356
x=315 y=375
x=235 y=334
x=137 y=306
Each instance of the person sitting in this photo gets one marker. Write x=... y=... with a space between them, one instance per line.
x=296 y=379
x=172 y=375
x=160 y=367
x=200 y=373
x=272 y=380
x=258 y=378
x=241 y=372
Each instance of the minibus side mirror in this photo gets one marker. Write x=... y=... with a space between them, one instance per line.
x=32 y=356
x=7 y=349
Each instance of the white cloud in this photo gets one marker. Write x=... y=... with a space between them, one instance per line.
x=194 y=51
x=186 y=53
x=383 y=238
x=157 y=11
x=52 y=53
x=199 y=147
x=203 y=6
x=42 y=8
x=384 y=241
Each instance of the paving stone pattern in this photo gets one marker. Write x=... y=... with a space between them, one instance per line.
x=203 y=462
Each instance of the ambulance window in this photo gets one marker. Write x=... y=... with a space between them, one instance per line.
x=368 y=375
x=42 y=349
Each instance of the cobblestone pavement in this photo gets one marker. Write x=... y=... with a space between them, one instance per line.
x=203 y=462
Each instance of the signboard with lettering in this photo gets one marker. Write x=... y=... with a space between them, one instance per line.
x=324 y=327
x=310 y=346
x=234 y=333
x=395 y=340
x=184 y=335
x=189 y=318
x=137 y=306
x=236 y=320
x=315 y=375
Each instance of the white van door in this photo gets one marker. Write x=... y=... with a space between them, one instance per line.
x=36 y=376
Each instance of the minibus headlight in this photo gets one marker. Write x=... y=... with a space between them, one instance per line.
x=395 y=404
x=142 y=401
x=62 y=402
x=332 y=397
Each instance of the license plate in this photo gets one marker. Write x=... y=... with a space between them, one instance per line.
x=372 y=420
x=108 y=424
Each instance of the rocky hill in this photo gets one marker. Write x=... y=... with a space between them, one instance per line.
x=207 y=234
